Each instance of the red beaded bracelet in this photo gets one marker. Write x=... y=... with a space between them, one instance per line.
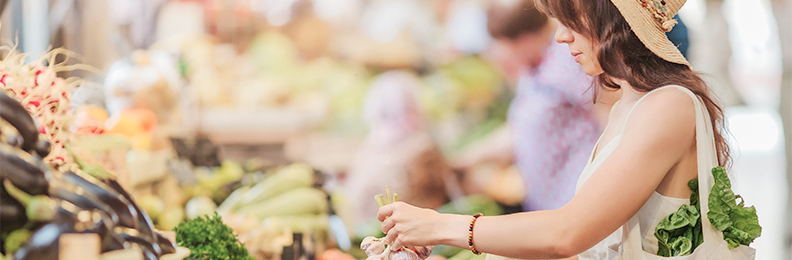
x=470 y=234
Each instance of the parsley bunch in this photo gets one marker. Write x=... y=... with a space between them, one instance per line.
x=210 y=239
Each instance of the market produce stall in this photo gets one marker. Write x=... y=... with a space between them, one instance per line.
x=48 y=192
x=236 y=139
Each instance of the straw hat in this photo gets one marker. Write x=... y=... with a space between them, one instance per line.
x=650 y=20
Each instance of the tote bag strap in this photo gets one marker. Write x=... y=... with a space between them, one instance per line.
x=713 y=246
x=707 y=159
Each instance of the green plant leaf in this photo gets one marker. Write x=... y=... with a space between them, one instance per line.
x=209 y=238
x=694 y=197
x=677 y=233
x=740 y=224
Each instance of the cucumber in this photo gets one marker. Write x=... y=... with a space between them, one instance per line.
x=303 y=223
x=294 y=202
x=232 y=200
x=288 y=178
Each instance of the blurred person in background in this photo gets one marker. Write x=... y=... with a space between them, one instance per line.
x=398 y=150
x=553 y=122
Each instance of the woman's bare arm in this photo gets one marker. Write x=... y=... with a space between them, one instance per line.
x=658 y=133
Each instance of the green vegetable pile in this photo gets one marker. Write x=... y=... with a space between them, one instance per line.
x=680 y=233
x=210 y=239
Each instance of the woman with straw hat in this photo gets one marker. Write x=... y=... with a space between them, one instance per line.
x=664 y=131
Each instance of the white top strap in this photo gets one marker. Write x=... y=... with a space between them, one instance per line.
x=644 y=96
x=707 y=159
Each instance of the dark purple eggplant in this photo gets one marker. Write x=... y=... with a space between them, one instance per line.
x=100 y=223
x=24 y=175
x=12 y=213
x=43 y=245
x=151 y=250
x=15 y=114
x=9 y=135
x=168 y=247
x=145 y=225
x=43 y=148
x=128 y=216
x=148 y=255
x=133 y=236
x=70 y=194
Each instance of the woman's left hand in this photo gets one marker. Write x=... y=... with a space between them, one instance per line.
x=407 y=225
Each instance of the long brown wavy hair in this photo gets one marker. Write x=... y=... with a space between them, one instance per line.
x=622 y=56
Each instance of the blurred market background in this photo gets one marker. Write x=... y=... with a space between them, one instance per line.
x=188 y=101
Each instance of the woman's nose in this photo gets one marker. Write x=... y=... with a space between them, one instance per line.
x=563 y=35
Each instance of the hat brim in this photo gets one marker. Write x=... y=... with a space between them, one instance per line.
x=648 y=30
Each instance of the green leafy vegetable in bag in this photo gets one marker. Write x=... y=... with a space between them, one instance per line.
x=680 y=232
x=740 y=224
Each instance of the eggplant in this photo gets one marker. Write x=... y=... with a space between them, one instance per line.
x=26 y=176
x=145 y=225
x=148 y=255
x=10 y=135
x=133 y=236
x=127 y=215
x=43 y=148
x=44 y=243
x=12 y=213
x=62 y=191
x=151 y=250
x=168 y=247
x=15 y=114
x=98 y=222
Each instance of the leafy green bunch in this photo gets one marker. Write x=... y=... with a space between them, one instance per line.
x=680 y=232
x=210 y=239
x=740 y=224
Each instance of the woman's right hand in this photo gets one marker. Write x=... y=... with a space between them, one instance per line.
x=407 y=225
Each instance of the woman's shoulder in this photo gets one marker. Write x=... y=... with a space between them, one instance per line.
x=670 y=94
x=669 y=109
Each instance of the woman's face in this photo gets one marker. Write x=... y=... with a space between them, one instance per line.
x=582 y=48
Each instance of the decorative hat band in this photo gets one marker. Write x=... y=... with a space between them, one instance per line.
x=660 y=11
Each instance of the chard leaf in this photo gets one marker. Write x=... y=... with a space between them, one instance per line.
x=732 y=242
x=719 y=220
x=747 y=220
x=740 y=224
x=694 y=198
x=721 y=198
x=720 y=176
x=663 y=250
x=680 y=232
x=682 y=246
x=677 y=232
x=698 y=236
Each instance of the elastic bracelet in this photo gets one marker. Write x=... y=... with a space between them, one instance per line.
x=470 y=234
